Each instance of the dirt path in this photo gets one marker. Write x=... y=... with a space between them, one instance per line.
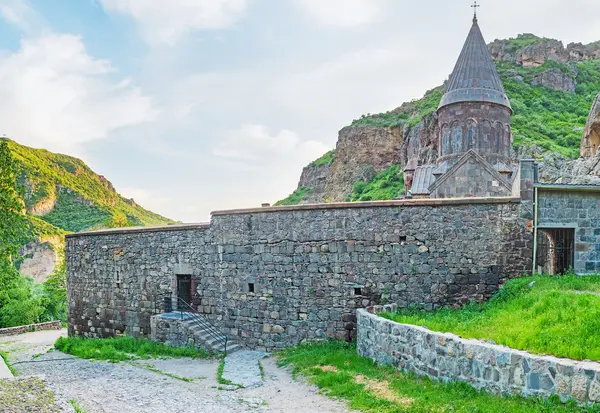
x=100 y=387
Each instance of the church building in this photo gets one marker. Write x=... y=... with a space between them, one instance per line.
x=475 y=136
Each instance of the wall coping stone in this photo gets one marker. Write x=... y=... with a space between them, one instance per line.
x=136 y=230
x=419 y=202
x=13 y=331
x=380 y=351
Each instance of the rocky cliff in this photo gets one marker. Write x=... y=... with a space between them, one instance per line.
x=551 y=88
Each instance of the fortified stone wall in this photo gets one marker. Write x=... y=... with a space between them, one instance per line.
x=497 y=369
x=577 y=208
x=272 y=277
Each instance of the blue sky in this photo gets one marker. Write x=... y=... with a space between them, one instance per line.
x=190 y=106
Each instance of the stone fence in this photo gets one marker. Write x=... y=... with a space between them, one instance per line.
x=497 y=369
x=13 y=331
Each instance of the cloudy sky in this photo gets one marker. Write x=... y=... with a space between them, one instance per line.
x=190 y=106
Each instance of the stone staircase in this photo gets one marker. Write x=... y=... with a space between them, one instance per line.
x=189 y=329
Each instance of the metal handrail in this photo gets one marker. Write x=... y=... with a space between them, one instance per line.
x=196 y=318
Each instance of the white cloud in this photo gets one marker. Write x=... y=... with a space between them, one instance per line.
x=255 y=143
x=168 y=21
x=17 y=13
x=343 y=13
x=53 y=94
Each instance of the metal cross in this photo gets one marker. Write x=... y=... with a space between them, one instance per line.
x=474 y=6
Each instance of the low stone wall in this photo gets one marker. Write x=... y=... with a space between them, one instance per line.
x=13 y=331
x=497 y=369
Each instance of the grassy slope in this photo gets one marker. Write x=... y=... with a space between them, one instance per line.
x=83 y=199
x=340 y=372
x=552 y=120
x=552 y=317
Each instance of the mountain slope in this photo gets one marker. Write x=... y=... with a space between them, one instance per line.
x=551 y=89
x=61 y=194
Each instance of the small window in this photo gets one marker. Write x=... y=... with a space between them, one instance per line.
x=357 y=291
x=250 y=287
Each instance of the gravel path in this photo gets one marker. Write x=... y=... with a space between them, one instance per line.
x=101 y=387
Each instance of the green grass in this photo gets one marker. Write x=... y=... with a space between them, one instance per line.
x=326 y=159
x=165 y=373
x=4 y=356
x=77 y=407
x=548 y=318
x=387 y=184
x=222 y=380
x=295 y=198
x=416 y=395
x=123 y=349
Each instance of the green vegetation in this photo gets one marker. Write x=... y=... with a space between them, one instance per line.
x=514 y=44
x=295 y=198
x=123 y=349
x=165 y=373
x=65 y=196
x=73 y=214
x=76 y=406
x=44 y=176
x=557 y=315
x=21 y=302
x=326 y=159
x=4 y=357
x=387 y=184
x=550 y=119
x=341 y=373
x=409 y=114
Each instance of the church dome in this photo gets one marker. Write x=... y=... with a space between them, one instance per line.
x=475 y=78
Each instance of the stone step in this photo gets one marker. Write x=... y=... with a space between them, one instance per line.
x=204 y=333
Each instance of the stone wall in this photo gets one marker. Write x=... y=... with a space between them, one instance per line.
x=577 y=208
x=497 y=369
x=272 y=277
x=13 y=331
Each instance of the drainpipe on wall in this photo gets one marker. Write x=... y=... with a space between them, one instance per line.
x=535 y=228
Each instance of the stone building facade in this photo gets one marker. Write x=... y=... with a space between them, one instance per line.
x=272 y=277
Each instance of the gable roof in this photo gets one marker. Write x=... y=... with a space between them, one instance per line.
x=475 y=78
x=471 y=154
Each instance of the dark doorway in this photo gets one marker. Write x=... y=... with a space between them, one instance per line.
x=555 y=250
x=184 y=292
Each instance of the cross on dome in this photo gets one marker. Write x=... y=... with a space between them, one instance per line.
x=475 y=6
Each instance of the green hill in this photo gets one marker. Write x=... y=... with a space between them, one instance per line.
x=62 y=194
x=550 y=119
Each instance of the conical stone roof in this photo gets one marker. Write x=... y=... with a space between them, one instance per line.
x=475 y=78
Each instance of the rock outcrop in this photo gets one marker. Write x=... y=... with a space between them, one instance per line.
x=360 y=153
x=315 y=177
x=556 y=79
x=541 y=50
x=591 y=137
x=39 y=260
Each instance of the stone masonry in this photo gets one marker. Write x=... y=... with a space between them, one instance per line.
x=576 y=207
x=272 y=277
x=497 y=369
